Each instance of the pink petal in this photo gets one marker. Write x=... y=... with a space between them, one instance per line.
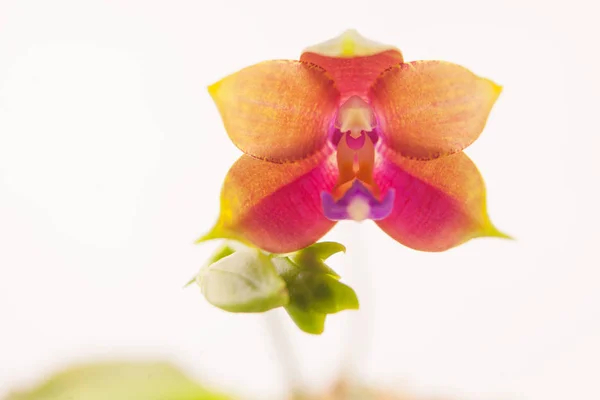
x=439 y=203
x=276 y=207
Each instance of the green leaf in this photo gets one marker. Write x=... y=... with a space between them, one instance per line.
x=119 y=381
x=313 y=256
x=244 y=281
x=313 y=294
x=285 y=268
x=308 y=321
x=324 y=250
x=322 y=293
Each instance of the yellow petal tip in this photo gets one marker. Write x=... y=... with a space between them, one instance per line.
x=215 y=233
x=214 y=89
x=349 y=44
x=496 y=88
x=221 y=232
x=492 y=231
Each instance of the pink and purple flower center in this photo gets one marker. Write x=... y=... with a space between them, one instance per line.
x=356 y=195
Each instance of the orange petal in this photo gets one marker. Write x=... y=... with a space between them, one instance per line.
x=276 y=207
x=439 y=203
x=277 y=110
x=428 y=109
x=353 y=61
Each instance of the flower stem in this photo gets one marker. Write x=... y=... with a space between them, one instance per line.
x=284 y=351
x=359 y=330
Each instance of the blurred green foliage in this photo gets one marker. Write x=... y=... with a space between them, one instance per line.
x=163 y=381
x=120 y=381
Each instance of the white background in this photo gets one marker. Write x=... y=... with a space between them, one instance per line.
x=111 y=161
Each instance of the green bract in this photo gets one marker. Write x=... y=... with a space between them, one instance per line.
x=248 y=280
x=243 y=281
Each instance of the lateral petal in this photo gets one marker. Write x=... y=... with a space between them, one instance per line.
x=278 y=111
x=438 y=204
x=276 y=207
x=428 y=109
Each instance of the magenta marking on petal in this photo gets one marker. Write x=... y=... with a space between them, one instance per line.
x=373 y=135
x=342 y=209
x=336 y=136
x=356 y=143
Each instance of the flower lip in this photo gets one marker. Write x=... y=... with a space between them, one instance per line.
x=358 y=203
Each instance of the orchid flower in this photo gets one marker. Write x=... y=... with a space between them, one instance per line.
x=352 y=132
